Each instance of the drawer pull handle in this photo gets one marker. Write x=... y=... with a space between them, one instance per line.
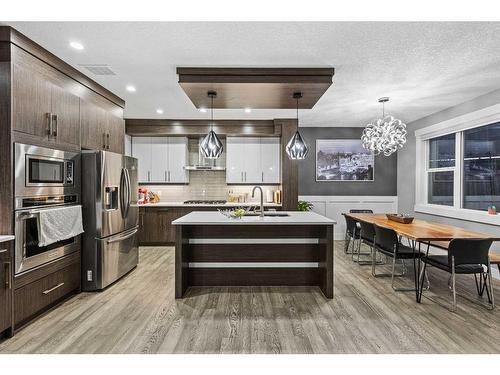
x=52 y=289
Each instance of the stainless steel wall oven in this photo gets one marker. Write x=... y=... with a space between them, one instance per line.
x=44 y=178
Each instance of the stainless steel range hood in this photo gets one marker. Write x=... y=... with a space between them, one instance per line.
x=204 y=164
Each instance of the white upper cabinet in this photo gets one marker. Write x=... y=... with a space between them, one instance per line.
x=253 y=160
x=177 y=159
x=161 y=159
x=141 y=149
x=270 y=160
x=235 y=160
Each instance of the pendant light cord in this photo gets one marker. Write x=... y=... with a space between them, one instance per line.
x=297 y=113
x=212 y=113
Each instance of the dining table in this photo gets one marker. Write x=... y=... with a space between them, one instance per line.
x=420 y=232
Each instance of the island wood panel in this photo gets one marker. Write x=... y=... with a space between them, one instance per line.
x=269 y=252
x=255 y=87
x=254 y=276
x=167 y=127
x=322 y=254
x=421 y=230
x=249 y=231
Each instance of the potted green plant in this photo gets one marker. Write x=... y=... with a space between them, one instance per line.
x=304 y=206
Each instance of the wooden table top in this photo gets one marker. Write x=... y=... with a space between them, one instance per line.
x=421 y=230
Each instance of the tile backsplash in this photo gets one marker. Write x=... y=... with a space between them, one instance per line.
x=206 y=185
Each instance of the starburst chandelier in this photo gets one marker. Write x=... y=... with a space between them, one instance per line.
x=384 y=135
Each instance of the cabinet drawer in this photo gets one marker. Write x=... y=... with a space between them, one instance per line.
x=5 y=251
x=34 y=297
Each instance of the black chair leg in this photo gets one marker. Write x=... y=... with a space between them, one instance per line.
x=479 y=284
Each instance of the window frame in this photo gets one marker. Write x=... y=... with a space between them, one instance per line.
x=457 y=126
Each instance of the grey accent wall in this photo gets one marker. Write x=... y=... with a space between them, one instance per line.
x=406 y=163
x=385 y=168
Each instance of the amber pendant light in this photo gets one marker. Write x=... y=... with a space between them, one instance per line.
x=211 y=146
x=296 y=148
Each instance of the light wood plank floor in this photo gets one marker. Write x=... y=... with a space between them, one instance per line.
x=140 y=315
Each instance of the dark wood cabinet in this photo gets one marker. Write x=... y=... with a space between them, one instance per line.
x=31 y=102
x=93 y=126
x=6 y=268
x=148 y=226
x=41 y=108
x=155 y=225
x=35 y=297
x=65 y=117
x=115 y=133
x=101 y=128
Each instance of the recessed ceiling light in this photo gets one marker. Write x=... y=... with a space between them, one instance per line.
x=248 y=110
x=76 y=45
x=131 y=88
x=159 y=111
x=203 y=110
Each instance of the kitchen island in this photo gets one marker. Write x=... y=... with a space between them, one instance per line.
x=292 y=249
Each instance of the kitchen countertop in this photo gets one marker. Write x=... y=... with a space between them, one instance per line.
x=5 y=238
x=227 y=204
x=216 y=218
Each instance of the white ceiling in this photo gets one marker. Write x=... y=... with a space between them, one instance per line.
x=422 y=67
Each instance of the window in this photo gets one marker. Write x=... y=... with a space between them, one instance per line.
x=441 y=170
x=458 y=167
x=481 y=161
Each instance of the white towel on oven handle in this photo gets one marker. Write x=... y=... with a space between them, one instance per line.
x=58 y=224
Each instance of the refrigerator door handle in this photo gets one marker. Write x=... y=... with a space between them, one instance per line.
x=123 y=181
x=124 y=237
x=129 y=191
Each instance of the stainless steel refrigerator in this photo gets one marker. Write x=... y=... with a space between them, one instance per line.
x=110 y=218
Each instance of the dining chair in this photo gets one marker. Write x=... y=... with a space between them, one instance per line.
x=351 y=233
x=358 y=226
x=465 y=257
x=388 y=243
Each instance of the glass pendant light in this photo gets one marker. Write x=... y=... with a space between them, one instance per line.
x=296 y=148
x=211 y=146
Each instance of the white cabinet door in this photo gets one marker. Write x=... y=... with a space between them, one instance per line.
x=159 y=159
x=235 y=160
x=252 y=158
x=141 y=149
x=177 y=159
x=270 y=160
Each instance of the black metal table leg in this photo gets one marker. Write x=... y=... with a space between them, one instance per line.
x=421 y=282
x=415 y=271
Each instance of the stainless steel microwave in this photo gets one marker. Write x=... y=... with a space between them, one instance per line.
x=44 y=171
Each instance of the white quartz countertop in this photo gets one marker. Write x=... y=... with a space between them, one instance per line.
x=216 y=218
x=5 y=238
x=227 y=204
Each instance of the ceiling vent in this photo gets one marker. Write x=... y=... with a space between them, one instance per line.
x=99 y=69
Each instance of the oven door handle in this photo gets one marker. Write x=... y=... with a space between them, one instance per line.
x=122 y=238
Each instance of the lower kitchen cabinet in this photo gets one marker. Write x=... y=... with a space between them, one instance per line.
x=6 y=268
x=155 y=223
x=37 y=290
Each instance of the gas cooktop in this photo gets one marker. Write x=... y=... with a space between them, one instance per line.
x=205 y=201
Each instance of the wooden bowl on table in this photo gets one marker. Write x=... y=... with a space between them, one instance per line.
x=403 y=219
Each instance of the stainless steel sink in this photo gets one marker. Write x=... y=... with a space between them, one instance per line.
x=267 y=213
